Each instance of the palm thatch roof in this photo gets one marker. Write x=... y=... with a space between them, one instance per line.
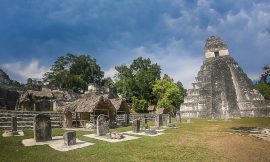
x=34 y=95
x=44 y=93
x=89 y=103
x=120 y=104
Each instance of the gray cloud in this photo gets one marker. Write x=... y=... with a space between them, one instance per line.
x=171 y=32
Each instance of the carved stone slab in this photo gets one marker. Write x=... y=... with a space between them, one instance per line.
x=42 y=128
x=159 y=121
x=136 y=125
x=102 y=125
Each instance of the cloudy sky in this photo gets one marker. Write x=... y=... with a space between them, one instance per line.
x=170 y=32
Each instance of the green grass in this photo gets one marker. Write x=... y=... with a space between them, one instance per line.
x=190 y=142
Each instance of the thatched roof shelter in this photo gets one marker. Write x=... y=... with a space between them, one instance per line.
x=36 y=100
x=120 y=105
x=94 y=104
x=34 y=95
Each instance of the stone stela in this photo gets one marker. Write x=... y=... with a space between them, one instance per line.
x=169 y=120
x=102 y=125
x=69 y=138
x=159 y=121
x=126 y=119
x=14 y=123
x=42 y=128
x=145 y=120
x=178 y=118
x=136 y=125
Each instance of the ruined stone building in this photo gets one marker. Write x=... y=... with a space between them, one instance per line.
x=221 y=88
x=8 y=96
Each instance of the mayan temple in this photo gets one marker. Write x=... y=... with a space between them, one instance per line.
x=222 y=89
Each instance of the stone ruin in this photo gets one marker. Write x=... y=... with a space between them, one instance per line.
x=14 y=131
x=104 y=130
x=159 y=120
x=69 y=138
x=221 y=89
x=102 y=125
x=42 y=128
x=136 y=125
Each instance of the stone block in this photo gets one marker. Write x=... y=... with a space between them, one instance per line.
x=14 y=123
x=136 y=126
x=70 y=138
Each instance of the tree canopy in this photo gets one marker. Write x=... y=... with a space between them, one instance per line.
x=168 y=94
x=266 y=74
x=135 y=82
x=264 y=85
x=264 y=89
x=74 y=72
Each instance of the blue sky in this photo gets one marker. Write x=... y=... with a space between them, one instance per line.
x=170 y=32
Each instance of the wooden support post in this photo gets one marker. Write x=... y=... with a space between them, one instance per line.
x=76 y=118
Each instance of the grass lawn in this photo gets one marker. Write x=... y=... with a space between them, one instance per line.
x=201 y=140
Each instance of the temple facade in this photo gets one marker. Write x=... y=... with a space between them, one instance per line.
x=222 y=89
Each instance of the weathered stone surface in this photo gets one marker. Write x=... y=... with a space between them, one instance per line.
x=14 y=123
x=169 y=120
x=42 y=128
x=102 y=125
x=222 y=89
x=151 y=131
x=178 y=117
x=159 y=120
x=70 y=138
x=136 y=125
x=8 y=98
x=115 y=135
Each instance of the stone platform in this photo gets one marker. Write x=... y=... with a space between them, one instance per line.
x=105 y=138
x=57 y=143
x=142 y=133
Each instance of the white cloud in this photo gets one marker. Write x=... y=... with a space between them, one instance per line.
x=254 y=76
x=21 y=71
x=110 y=73
x=174 y=60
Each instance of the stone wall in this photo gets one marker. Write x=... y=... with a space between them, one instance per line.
x=25 y=119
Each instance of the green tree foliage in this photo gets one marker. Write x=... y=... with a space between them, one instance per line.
x=264 y=86
x=108 y=83
x=266 y=74
x=137 y=79
x=139 y=105
x=182 y=89
x=74 y=72
x=264 y=89
x=169 y=95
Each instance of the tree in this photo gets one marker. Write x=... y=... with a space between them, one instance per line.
x=264 y=86
x=137 y=80
x=169 y=95
x=74 y=72
x=108 y=83
x=264 y=89
x=139 y=105
x=182 y=89
x=266 y=74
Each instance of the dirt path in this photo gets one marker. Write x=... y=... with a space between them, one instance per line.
x=240 y=148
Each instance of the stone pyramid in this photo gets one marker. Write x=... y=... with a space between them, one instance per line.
x=221 y=89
